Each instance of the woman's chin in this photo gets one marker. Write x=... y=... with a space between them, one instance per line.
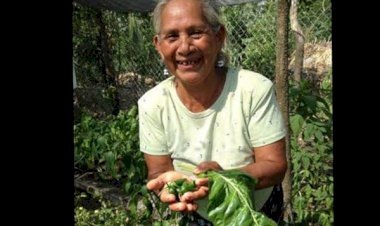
x=191 y=78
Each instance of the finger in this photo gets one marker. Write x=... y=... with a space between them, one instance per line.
x=178 y=206
x=201 y=182
x=167 y=197
x=155 y=184
x=191 y=206
x=198 y=170
x=183 y=206
x=198 y=194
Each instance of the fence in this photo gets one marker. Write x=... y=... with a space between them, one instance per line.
x=251 y=44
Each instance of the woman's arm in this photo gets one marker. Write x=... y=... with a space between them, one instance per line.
x=158 y=164
x=269 y=167
x=270 y=164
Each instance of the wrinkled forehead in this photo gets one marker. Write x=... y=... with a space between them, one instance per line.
x=182 y=13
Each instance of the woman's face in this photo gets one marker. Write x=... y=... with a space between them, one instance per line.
x=186 y=42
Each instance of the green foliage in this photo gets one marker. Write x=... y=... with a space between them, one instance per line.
x=133 y=48
x=110 y=214
x=86 y=52
x=106 y=215
x=110 y=146
x=230 y=199
x=311 y=145
x=252 y=35
x=130 y=42
x=315 y=18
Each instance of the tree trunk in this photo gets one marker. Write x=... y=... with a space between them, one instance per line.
x=300 y=41
x=105 y=47
x=282 y=88
x=111 y=78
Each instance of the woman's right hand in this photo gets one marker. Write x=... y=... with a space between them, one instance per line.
x=186 y=202
x=207 y=165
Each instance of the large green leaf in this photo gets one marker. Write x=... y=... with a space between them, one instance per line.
x=231 y=199
x=296 y=123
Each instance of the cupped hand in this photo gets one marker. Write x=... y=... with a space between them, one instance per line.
x=186 y=201
x=158 y=183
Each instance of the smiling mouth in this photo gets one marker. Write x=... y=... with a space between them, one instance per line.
x=188 y=63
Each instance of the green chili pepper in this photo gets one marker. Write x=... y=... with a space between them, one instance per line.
x=180 y=187
x=187 y=186
x=179 y=182
x=172 y=188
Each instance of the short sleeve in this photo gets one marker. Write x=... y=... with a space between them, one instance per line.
x=266 y=124
x=151 y=131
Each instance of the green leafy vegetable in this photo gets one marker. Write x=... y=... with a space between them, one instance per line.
x=180 y=187
x=230 y=199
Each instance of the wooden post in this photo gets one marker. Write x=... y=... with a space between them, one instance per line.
x=282 y=88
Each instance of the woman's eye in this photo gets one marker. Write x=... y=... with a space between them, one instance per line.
x=196 y=34
x=171 y=37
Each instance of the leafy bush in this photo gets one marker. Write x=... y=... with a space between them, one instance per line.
x=312 y=159
x=110 y=146
x=107 y=214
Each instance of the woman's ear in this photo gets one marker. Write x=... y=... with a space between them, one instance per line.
x=157 y=45
x=156 y=42
x=221 y=35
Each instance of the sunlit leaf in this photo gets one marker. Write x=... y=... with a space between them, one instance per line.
x=230 y=200
x=296 y=122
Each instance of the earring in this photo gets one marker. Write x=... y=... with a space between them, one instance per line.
x=221 y=61
x=166 y=72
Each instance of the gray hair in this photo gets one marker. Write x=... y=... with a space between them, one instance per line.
x=210 y=11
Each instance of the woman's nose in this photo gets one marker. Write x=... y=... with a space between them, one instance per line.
x=184 y=46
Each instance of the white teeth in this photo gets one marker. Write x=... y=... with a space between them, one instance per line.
x=187 y=62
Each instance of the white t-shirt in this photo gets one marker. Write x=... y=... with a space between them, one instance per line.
x=245 y=115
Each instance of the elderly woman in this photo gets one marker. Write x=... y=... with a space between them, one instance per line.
x=207 y=114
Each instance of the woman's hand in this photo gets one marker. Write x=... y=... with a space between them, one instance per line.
x=207 y=165
x=186 y=201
